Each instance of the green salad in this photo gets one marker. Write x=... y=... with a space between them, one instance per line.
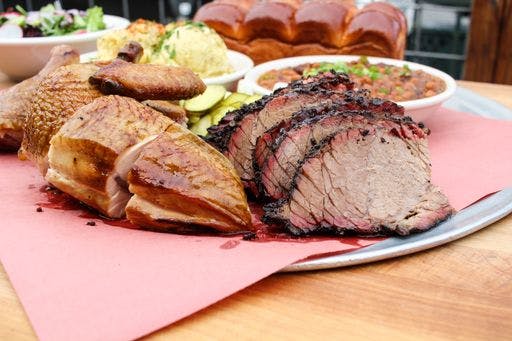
x=50 y=20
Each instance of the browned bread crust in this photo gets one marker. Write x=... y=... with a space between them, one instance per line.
x=271 y=29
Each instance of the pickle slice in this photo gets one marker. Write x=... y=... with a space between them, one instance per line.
x=209 y=98
x=193 y=119
x=252 y=98
x=235 y=97
x=201 y=126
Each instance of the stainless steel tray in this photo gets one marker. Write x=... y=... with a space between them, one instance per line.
x=467 y=221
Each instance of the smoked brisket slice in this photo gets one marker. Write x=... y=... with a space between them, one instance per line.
x=294 y=144
x=368 y=180
x=219 y=135
x=268 y=143
x=238 y=143
x=349 y=100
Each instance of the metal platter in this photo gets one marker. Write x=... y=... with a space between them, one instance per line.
x=465 y=222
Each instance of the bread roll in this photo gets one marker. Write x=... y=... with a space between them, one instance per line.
x=322 y=21
x=261 y=50
x=271 y=29
x=225 y=17
x=376 y=26
x=271 y=19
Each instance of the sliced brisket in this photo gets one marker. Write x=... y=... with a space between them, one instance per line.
x=236 y=135
x=280 y=149
x=373 y=179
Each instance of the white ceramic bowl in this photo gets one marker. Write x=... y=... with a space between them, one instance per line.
x=24 y=57
x=241 y=65
x=240 y=62
x=418 y=109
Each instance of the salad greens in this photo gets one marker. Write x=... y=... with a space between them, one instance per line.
x=52 y=20
x=94 y=19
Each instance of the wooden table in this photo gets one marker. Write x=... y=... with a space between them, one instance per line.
x=462 y=290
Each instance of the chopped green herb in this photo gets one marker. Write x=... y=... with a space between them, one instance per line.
x=171 y=52
x=406 y=71
x=373 y=68
x=326 y=67
x=361 y=69
x=384 y=91
x=374 y=76
x=197 y=24
x=387 y=70
x=166 y=35
x=357 y=70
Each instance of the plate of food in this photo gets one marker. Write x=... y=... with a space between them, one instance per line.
x=467 y=221
x=26 y=38
x=418 y=88
x=190 y=44
x=317 y=158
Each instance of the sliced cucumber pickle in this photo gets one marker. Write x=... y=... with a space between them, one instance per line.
x=201 y=126
x=234 y=98
x=252 y=98
x=235 y=105
x=209 y=98
x=193 y=119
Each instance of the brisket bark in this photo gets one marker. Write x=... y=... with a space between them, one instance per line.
x=373 y=179
x=236 y=135
x=349 y=100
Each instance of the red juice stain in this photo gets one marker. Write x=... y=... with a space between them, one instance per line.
x=262 y=233
x=230 y=244
x=59 y=200
x=108 y=221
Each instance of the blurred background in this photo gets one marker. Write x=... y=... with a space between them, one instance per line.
x=438 y=29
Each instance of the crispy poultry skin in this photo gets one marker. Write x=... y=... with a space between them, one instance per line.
x=58 y=96
x=15 y=101
x=146 y=81
x=91 y=154
x=70 y=87
x=131 y=52
x=181 y=181
x=171 y=110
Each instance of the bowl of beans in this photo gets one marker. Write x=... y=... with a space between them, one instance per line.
x=420 y=89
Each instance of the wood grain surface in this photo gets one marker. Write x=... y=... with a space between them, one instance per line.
x=459 y=291
x=489 y=54
x=503 y=69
